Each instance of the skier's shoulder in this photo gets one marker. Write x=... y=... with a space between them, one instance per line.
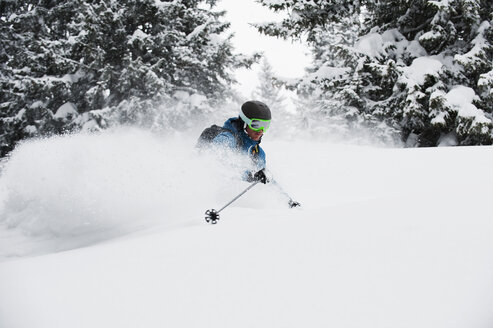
x=230 y=133
x=216 y=134
x=233 y=125
x=225 y=137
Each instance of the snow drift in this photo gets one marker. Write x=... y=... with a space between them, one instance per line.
x=385 y=238
x=77 y=190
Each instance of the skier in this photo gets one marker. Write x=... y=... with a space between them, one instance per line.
x=244 y=134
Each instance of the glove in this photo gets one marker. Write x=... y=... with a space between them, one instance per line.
x=293 y=203
x=258 y=176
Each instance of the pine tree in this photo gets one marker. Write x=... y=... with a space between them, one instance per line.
x=34 y=68
x=69 y=65
x=272 y=92
x=409 y=64
x=268 y=91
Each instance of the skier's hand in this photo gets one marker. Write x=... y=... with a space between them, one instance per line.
x=258 y=176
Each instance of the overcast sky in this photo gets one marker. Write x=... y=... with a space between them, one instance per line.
x=287 y=59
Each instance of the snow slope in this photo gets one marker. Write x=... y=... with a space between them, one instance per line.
x=107 y=231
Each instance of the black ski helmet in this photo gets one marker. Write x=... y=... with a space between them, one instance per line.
x=255 y=109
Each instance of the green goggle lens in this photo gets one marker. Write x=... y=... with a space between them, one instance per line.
x=257 y=125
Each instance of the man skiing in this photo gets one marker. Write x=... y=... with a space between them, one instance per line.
x=244 y=134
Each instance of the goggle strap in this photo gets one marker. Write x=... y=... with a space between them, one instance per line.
x=245 y=119
x=250 y=121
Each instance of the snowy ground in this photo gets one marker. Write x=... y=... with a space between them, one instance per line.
x=108 y=231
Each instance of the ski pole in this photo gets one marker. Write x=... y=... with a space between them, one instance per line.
x=291 y=202
x=212 y=215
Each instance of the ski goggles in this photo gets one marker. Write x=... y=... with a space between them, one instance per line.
x=256 y=124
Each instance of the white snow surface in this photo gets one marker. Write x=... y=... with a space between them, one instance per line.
x=416 y=73
x=107 y=230
x=66 y=110
x=375 y=44
x=461 y=98
x=371 y=45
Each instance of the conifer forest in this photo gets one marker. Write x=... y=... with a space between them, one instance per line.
x=418 y=72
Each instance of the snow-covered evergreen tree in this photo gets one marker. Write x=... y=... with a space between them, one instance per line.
x=78 y=64
x=422 y=67
x=271 y=92
x=267 y=90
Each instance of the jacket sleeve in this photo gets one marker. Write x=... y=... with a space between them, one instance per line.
x=225 y=139
x=261 y=162
x=258 y=159
x=259 y=165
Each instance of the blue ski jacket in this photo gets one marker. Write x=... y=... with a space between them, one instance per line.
x=239 y=140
